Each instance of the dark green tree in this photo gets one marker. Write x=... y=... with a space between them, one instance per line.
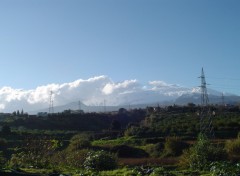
x=115 y=125
x=14 y=113
x=6 y=130
x=22 y=112
x=18 y=113
x=2 y=160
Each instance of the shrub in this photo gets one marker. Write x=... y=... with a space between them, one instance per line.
x=35 y=153
x=154 y=140
x=224 y=169
x=126 y=151
x=24 y=159
x=3 y=143
x=79 y=141
x=2 y=160
x=174 y=146
x=201 y=154
x=6 y=130
x=154 y=150
x=136 y=131
x=233 y=147
x=72 y=159
x=139 y=171
x=131 y=131
x=100 y=160
x=126 y=171
x=158 y=171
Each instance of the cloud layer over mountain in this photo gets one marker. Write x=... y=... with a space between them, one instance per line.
x=93 y=91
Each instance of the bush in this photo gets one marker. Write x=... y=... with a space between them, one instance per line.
x=131 y=131
x=201 y=154
x=174 y=146
x=154 y=150
x=136 y=131
x=6 y=130
x=233 y=147
x=100 y=160
x=2 y=160
x=126 y=171
x=73 y=159
x=125 y=151
x=224 y=169
x=35 y=153
x=79 y=141
x=158 y=171
x=3 y=143
x=139 y=171
x=154 y=140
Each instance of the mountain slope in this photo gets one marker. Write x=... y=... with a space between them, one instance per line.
x=149 y=98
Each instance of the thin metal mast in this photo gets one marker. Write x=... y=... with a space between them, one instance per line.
x=223 y=103
x=79 y=105
x=206 y=126
x=51 y=110
x=104 y=104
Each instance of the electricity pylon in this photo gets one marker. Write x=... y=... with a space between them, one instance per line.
x=206 y=126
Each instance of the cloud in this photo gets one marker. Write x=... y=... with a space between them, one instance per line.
x=92 y=91
x=158 y=84
x=120 y=87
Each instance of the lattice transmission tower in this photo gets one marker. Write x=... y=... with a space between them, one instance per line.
x=206 y=125
x=51 y=109
x=223 y=103
x=79 y=105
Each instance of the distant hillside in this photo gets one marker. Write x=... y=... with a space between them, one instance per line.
x=182 y=100
x=213 y=99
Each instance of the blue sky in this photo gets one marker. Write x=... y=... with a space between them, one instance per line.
x=57 y=41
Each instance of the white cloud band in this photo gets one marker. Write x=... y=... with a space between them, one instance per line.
x=91 y=91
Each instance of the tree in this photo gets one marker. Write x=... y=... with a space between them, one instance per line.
x=122 y=111
x=22 y=113
x=3 y=144
x=191 y=105
x=18 y=113
x=115 y=125
x=14 y=113
x=6 y=130
x=2 y=160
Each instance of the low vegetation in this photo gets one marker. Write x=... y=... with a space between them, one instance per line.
x=149 y=142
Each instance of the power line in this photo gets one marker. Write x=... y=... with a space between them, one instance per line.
x=224 y=87
x=232 y=79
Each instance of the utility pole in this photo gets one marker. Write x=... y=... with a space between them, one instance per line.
x=51 y=110
x=223 y=103
x=79 y=105
x=104 y=104
x=206 y=126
